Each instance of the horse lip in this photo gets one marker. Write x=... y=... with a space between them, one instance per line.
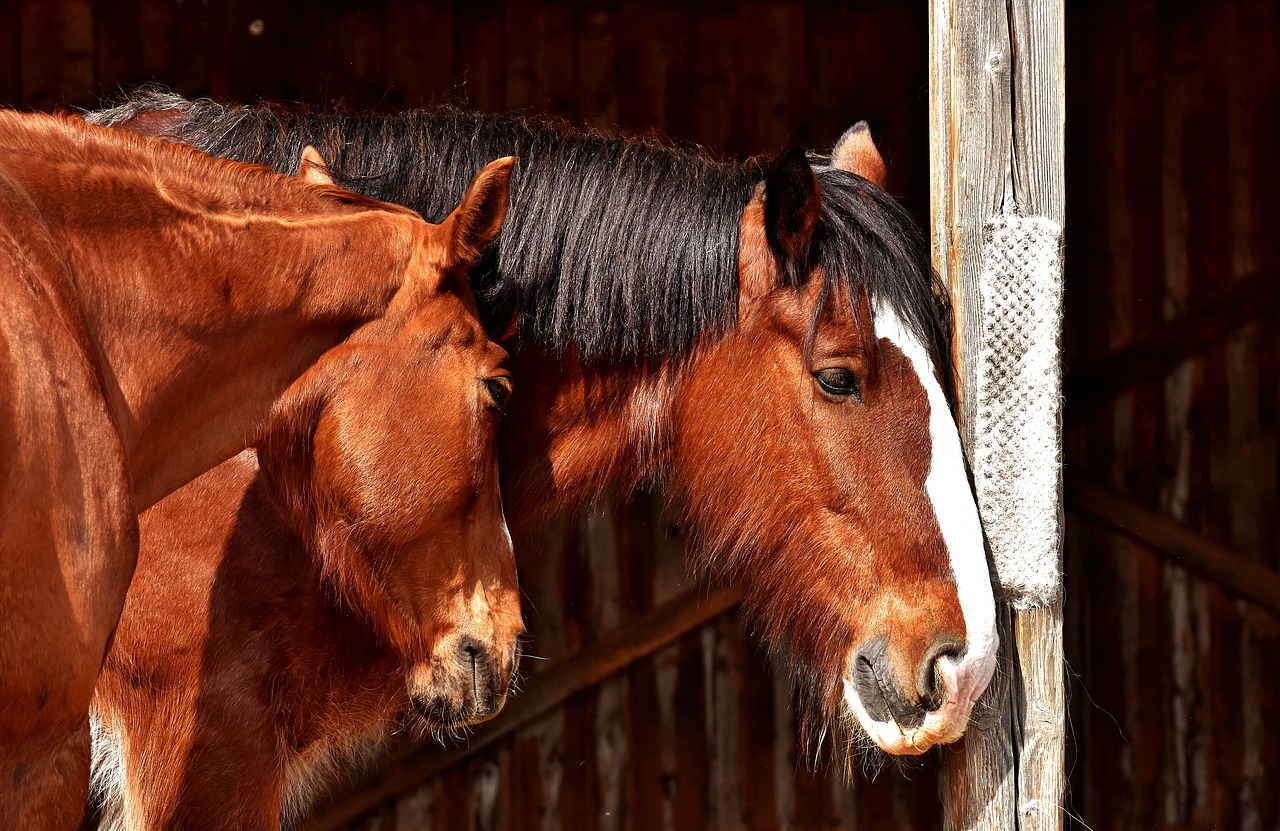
x=438 y=712
x=492 y=706
x=943 y=725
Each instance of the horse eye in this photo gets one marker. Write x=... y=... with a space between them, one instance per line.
x=839 y=382
x=499 y=390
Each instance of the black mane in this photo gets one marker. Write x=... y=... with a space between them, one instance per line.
x=620 y=247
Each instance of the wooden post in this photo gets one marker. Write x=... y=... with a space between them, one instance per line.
x=996 y=129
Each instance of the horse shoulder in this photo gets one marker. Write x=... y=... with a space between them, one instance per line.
x=67 y=519
x=183 y=716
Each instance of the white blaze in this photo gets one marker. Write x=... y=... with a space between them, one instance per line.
x=957 y=515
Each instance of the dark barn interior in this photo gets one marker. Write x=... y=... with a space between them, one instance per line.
x=655 y=708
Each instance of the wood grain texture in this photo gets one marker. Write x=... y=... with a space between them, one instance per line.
x=118 y=37
x=59 y=70
x=597 y=67
x=553 y=687
x=420 y=57
x=979 y=780
x=481 y=70
x=773 y=73
x=1210 y=320
x=1040 y=718
x=1039 y=189
x=11 y=52
x=539 y=56
x=856 y=73
x=716 y=79
x=1242 y=575
x=970 y=148
x=652 y=84
x=997 y=136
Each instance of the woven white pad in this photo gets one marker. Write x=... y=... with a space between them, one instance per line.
x=1017 y=421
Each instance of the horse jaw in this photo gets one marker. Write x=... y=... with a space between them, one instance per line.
x=963 y=679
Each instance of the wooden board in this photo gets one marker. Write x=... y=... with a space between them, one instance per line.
x=997 y=133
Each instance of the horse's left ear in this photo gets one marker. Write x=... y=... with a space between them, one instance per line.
x=313 y=169
x=791 y=208
x=855 y=152
x=478 y=218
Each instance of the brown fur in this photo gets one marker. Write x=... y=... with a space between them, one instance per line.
x=291 y=609
x=760 y=456
x=816 y=508
x=154 y=304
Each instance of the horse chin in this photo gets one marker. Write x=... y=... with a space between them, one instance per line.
x=441 y=715
x=943 y=725
x=445 y=710
x=452 y=701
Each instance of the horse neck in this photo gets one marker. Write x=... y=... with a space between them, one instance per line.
x=577 y=434
x=198 y=345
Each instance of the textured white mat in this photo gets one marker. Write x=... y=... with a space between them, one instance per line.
x=1017 y=422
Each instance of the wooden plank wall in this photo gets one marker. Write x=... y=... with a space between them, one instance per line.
x=1173 y=184
x=737 y=77
x=1172 y=193
x=997 y=121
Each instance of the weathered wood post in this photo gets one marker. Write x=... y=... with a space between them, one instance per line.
x=996 y=123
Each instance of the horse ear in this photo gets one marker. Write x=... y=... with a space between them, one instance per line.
x=313 y=169
x=478 y=218
x=855 y=152
x=791 y=208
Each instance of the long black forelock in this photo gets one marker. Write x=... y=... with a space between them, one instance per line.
x=867 y=244
x=617 y=247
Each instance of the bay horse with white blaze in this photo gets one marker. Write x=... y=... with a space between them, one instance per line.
x=767 y=341
x=154 y=305
x=354 y=577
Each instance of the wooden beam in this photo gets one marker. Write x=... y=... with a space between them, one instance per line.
x=997 y=127
x=547 y=690
x=1154 y=353
x=1038 y=39
x=1248 y=578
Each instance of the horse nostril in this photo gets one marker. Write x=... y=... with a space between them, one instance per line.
x=888 y=691
x=929 y=683
x=480 y=678
x=473 y=661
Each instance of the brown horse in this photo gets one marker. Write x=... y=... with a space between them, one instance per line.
x=776 y=353
x=154 y=305
x=291 y=610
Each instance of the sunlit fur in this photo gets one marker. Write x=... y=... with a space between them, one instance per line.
x=353 y=577
x=154 y=304
x=670 y=311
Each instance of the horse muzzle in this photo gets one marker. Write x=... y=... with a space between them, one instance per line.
x=463 y=684
x=932 y=707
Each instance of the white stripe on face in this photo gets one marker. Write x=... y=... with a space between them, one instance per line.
x=948 y=488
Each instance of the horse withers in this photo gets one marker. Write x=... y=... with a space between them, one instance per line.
x=766 y=341
x=155 y=303
x=353 y=578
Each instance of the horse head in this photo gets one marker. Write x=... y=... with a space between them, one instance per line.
x=383 y=459
x=816 y=451
x=783 y=369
